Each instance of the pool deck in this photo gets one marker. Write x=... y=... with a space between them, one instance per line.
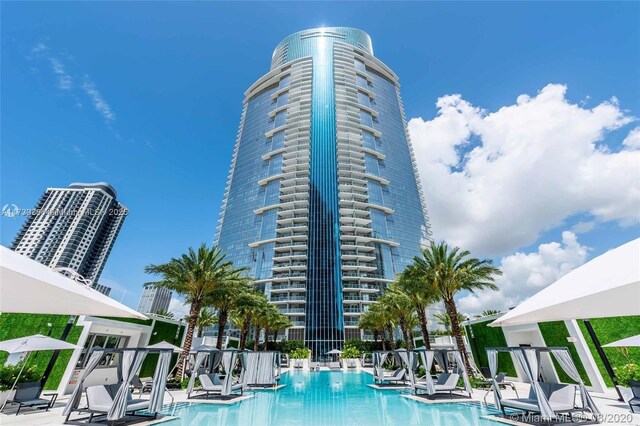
x=614 y=412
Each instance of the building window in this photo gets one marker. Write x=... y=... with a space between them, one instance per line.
x=102 y=341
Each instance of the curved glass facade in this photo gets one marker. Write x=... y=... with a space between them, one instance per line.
x=323 y=204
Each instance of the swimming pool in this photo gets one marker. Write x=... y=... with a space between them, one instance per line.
x=328 y=398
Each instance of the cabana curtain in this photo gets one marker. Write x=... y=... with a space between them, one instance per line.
x=200 y=357
x=74 y=400
x=249 y=362
x=427 y=361
x=531 y=370
x=461 y=368
x=130 y=363
x=441 y=359
x=228 y=362
x=411 y=361
x=564 y=359
x=156 y=398
x=379 y=359
x=492 y=356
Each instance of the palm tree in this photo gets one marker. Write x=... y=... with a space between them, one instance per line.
x=206 y=319
x=443 y=318
x=164 y=313
x=276 y=323
x=453 y=270
x=399 y=306
x=224 y=298
x=194 y=275
x=487 y=313
x=418 y=286
x=375 y=320
x=243 y=312
x=260 y=319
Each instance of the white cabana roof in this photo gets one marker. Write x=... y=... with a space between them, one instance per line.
x=30 y=287
x=607 y=286
x=624 y=343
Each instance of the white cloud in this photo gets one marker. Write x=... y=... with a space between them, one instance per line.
x=525 y=274
x=99 y=103
x=178 y=308
x=65 y=82
x=633 y=139
x=523 y=169
x=40 y=47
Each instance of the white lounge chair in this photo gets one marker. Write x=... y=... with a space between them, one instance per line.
x=334 y=365
x=211 y=384
x=314 y=366
x=561 y=398
x=446 y=382
x=398 y=375
x=297 y=363
x=351 y=363
x=100 y=400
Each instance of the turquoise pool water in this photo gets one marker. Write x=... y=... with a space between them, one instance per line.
x=332 y=399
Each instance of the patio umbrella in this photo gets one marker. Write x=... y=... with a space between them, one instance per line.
x=628 y=342
x=29 y=344
x=607 y=286
x=30 y=287
x=165 y=345
x=334 y=352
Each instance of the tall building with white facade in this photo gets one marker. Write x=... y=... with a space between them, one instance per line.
x=323 y=204
x=73 y=228
x=154 y=299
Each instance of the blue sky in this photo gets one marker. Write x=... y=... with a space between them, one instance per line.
x=147 y=96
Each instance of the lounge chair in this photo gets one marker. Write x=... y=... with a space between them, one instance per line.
x=28 y=395
x=635 y=401
x=446 y=382
x=284 y=361
x=351 y=363
x=502 y=383
x=297 y=363
x=334 y=365
x=211 y=384
x=314 y=366
x=100 y=400
x=398 y=375
x=561 y=399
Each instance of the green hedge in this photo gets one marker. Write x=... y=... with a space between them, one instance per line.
x=555 y=334
x=163 y=331
x=487 y=337
x=13 y=326
x=609 y=330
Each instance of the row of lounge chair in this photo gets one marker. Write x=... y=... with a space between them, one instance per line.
x=212 y=385
x=100 y=400
x=315 y=366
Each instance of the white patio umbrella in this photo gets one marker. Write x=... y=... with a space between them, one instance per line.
x=624 y=343
x=165 y=345
x=334 y=352
x=29 y=344
x=607 y=286
x=30 y=287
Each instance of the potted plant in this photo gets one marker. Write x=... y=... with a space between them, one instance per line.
x=626 y=374
x=350 y=353
x=8 y=376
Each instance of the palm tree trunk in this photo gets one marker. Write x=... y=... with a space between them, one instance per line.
x=452 y=311
x=384 y=340
x=244 y=332
x=422 y=316
x=392 y=344
x=194 y=312
x=405 y=332
x=266 y=339
x=256 y=337
x=375 y=335
x=222 y=324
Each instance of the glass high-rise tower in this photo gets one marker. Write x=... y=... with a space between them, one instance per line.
x=323 y=204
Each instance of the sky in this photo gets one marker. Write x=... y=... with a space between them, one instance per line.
x=523 y=117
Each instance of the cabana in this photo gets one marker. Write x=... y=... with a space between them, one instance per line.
x=547 y=399
x=114 y=400
x=380 y=374
x=447 y=381
x=209 y=360
x=261 y=369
